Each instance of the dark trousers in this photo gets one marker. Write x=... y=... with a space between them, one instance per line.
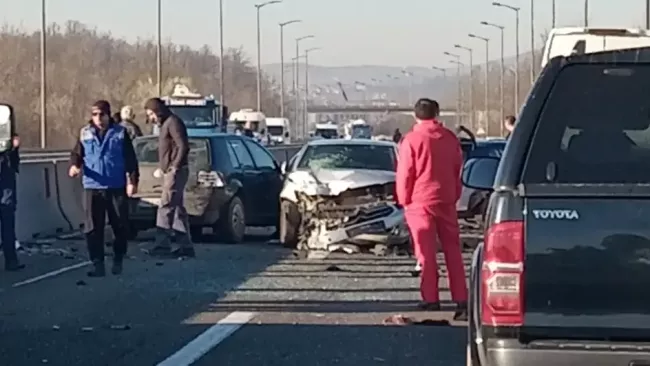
x=8 y=216
x=99 y=203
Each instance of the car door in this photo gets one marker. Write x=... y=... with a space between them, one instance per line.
x=252 y=180
x=271 y=178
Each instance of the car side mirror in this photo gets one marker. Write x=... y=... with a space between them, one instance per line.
x=479 y=173
x=286 y=134
x=283 y=167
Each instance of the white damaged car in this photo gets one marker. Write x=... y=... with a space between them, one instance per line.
x=340 y=194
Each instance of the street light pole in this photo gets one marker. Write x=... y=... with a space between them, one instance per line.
x=502 y=71
x=222 y=95
x=297 y=96
x=459 y=93
x=647 y=14
x=282 y=25
x=43 y=77
x=306 y=111
x=554 y=14
x=516 y=10
x=487 y=80
x=586 y=13
x=532 y=43
x=258 y=7
x=159 y=50
x=471 y=83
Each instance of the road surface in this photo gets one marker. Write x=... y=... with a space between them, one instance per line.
x=239 y=305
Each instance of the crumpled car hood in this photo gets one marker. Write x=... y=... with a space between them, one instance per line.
x=333 y=182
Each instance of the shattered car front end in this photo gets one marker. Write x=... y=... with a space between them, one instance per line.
x=350 y=214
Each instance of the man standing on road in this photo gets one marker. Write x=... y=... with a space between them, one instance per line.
x=104 y=155
x=509 y=124
x=127 y=117
x=173 y=151
x=9 y=165
x=428 y=186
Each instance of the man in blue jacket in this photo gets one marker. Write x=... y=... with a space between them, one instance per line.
x=104 y=155
x=9 y=162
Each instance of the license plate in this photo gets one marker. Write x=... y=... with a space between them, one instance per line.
x=149 y=201
x=371 y=228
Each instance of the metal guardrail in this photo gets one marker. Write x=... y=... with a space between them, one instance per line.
x=43 y=156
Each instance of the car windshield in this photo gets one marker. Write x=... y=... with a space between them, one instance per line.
x=326 y=133
x=361 y=132
x=348 y=156
x=275 y=130
x=195 y=116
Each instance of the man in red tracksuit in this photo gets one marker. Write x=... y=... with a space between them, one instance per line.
x=428 y=187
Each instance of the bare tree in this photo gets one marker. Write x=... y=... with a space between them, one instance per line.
x=85 y=64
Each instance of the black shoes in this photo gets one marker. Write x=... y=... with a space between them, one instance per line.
x=460 y=314
x=184 y=252
x=98 y=270
x=117 y=267
x=14 y=266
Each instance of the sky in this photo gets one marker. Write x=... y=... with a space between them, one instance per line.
x=399 y=33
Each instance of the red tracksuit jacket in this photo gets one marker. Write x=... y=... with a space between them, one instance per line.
x=429 y=167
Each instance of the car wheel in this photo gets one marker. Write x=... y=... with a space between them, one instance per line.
x=289 y=224
x=233 y=224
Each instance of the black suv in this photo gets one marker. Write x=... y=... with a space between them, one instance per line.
x=234 y=182
x=562 y=275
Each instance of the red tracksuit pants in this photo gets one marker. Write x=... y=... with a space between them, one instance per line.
x=427 y=225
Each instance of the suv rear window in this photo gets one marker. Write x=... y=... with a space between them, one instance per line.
x=146 y=149
x=594 y=127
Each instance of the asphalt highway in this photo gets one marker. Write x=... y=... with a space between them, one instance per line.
x=249 y=304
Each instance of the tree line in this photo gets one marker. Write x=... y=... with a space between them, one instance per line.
x=84 y=64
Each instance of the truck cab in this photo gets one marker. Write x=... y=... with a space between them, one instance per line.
x=328 y=130
x=358 y=129
x=249 y=119
x=195 y=110
x=278 y=130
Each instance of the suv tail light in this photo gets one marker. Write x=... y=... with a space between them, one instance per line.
x=502 y=275
x=211 y=179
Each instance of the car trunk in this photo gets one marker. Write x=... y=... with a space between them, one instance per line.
x=587 y=264
x=197 y=197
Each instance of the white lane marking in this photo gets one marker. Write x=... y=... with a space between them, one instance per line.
x=51 y=274
x=209 y=339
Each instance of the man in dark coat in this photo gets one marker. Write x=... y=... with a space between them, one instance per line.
x=173 y=150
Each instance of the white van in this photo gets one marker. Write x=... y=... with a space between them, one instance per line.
x=278 y=130
x=568 y=41
x=252 y=120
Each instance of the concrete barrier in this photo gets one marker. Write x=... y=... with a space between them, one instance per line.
x=49 y=202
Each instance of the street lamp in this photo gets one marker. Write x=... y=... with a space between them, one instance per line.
x=221 y=82
x=409 y=75
x=471 y=81
x=306 y=112
x=159 y=49
x=443 y=71
x=259 y=51
x=586 y=13
x=516 y=10
x=297 y=96
x=282 y=25
x=554 y=14
x=43 y=78
x=487 y=79
x=459 y=92
x=501 y=78
x=533 y=65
